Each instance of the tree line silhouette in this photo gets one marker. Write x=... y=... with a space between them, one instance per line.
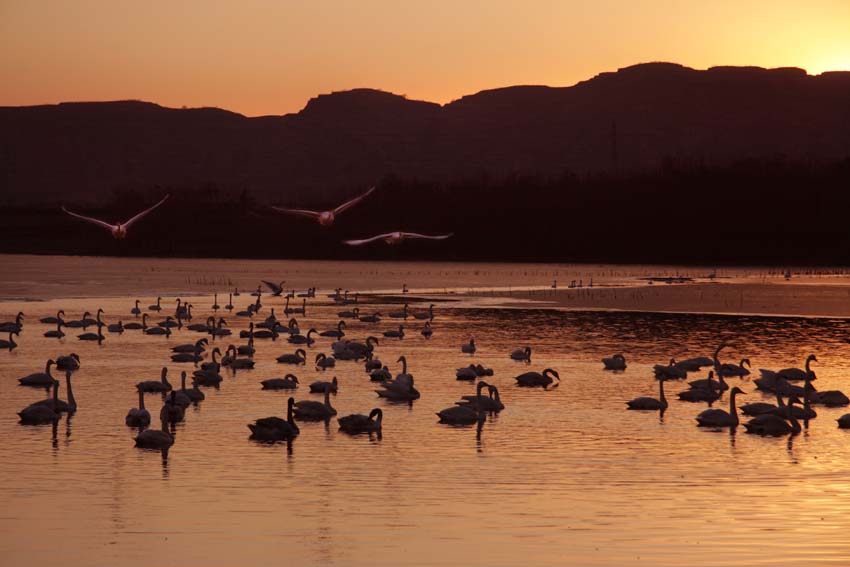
x=762 y=212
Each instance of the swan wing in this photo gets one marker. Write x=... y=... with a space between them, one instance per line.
x=368 y=240
x=427 y=236
x=299 y=212
x=348 y=204
x=139 y=216
x=272 y=286
x=98 y=222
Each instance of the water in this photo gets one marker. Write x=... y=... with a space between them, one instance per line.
x=564 y=476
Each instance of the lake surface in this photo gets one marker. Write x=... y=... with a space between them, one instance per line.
x=561 y=476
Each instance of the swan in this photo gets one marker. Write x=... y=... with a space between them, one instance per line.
x=228 y=358
x=466 y=373
x=319 y=386
x=709 y=395
x=138 y=417
x=646 y=403
x=324 y=362
x=277 y=289
x=400 y=314
x=718 y=417
x=325 y=218
x=535 y=379
x=275 y=428
x=381 y=375
x=57 y=332
x=70 y=362
x=38 y=414
x=465 y=414
x=732 y=370
x=401 y=391
x=844 y=421
x=669 y=372
x=709 y=383
x=247 y=350
x=288 y=382
x=116 y=327
x=468 y=348
x=359 y=423
x=425 y=315
x=830 y=398
x=182 y=398
x=299 y=357
x=395 y=334
x=161 y=385
x=60 y=405
x=157 y=306
x=795 y=374
x=171 y=411
x=207 y=377
x=299 y=339
x=312 y=410
x=155 y=438
x=695 y=364
x=199 y=345
x=249 y=333
x=214 y=365
x=136 y=326
x=397 y=237
x=427 y=331
x=291 y=327
x=492 y=403
x=53 y=320
x=136 y=310
x=94 y=336
x=350 y=350
x=15 y=326
x=337 y=333
x=118 y=230
x=616 y=362
x=195 y=394
x=159 y=330
x=79 y=323
x=39 y=379
x=353 y=314
x=219 y=331
x=773 y=425
x=269 y=322
x=229 y=305
x=373 y=318
x=521 y=354
x=781 y=410
x=241 y=363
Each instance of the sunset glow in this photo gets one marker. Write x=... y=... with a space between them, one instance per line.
x=260 y=57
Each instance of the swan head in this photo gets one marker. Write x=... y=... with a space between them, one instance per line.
x=376 y=413
x=291 y=377
x=736 y=390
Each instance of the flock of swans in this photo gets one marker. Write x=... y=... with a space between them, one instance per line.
x=324 y=218
x=793 y=402
x=793 y=388
x=208 y=362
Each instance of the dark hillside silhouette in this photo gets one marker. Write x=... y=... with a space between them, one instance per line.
x=625 y=122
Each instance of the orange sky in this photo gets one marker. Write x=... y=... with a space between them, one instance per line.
x=269 y=57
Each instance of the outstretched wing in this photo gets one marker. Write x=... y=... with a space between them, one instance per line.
x=427 y=236
x=98 y=222
x=130 y=222
x=348 y=204
x=367 y=240
x=299 y=212
x=272 y=286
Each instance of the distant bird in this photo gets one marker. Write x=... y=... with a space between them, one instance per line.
x=616 y=362
x=288 y=382
x=319 y=386
x=718 y=417
x=155 y=438
x=325 y=218
x=427 y=331
x=39 y=379
x=275 y=428
x=53 y=320
x=359 y=423
x=10 y=344
x=299 y=357
x=118 y=231
x=397 y=237
x=138 y=417
x=277 y=289
x=522 y=354
x=313 y=410
x=68 y=362
x=651 y=404
x=538 y=379
x=13 y=326
x=161 y=385
x=468 y=348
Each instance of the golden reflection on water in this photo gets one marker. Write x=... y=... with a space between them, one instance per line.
x=564 y=476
